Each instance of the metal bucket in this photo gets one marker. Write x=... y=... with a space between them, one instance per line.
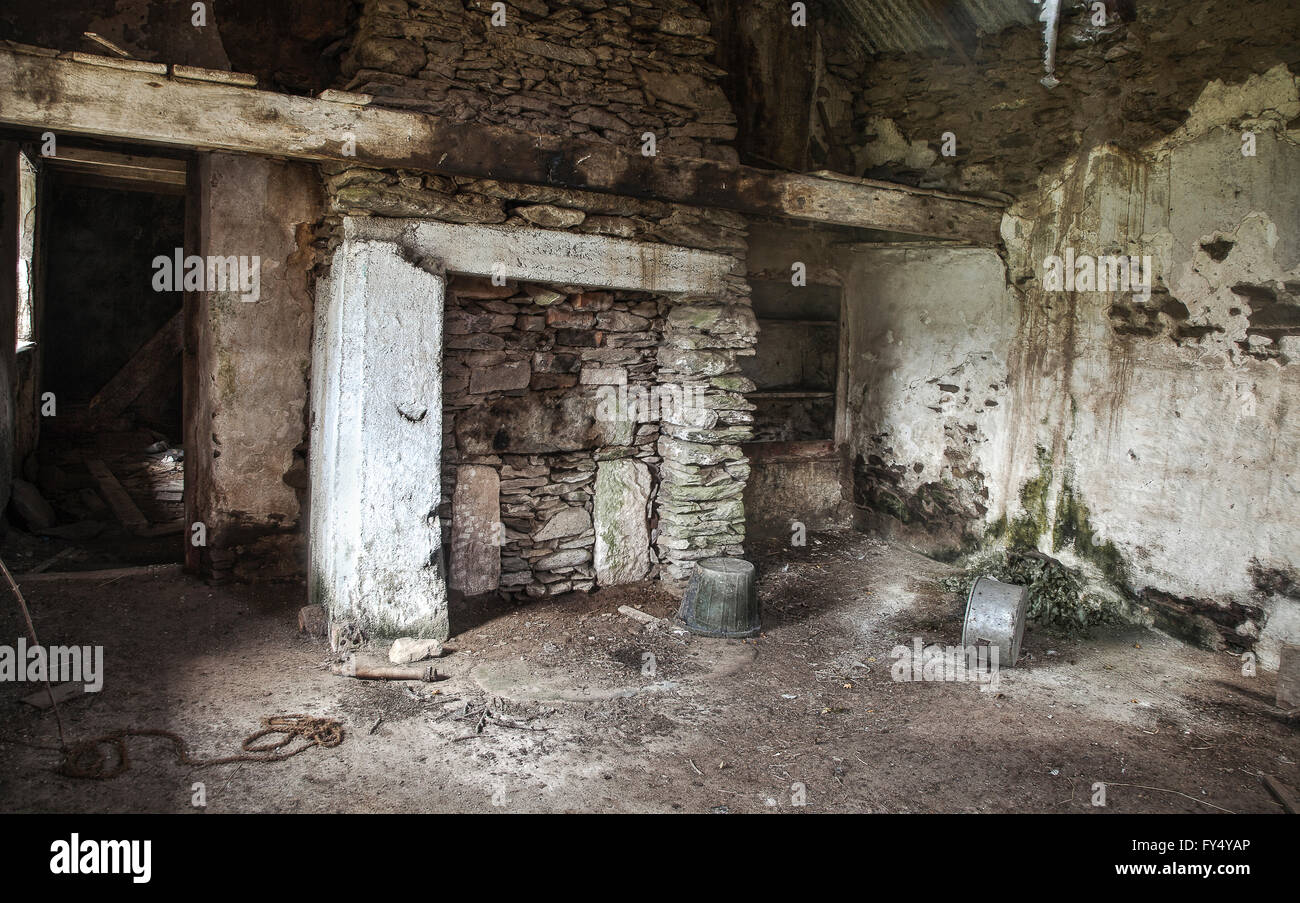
x=721 y=599
x=995 y=616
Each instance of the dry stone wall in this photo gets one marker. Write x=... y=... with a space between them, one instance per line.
x=532 y=379
x=683 y=351
x=582 y=68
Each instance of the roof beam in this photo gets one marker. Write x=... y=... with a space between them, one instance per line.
x=41 y=90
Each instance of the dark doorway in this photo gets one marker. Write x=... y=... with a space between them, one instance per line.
x=100 y=307
x=104 y=485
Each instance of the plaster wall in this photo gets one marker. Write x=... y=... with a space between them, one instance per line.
x=247 y=398
x=1165 y=426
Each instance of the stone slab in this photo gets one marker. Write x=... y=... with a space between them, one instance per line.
x=476 y=530
x=622 y=529
x=375 y=540
x=541 y=255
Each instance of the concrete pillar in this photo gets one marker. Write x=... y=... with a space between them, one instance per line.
x=375 y=541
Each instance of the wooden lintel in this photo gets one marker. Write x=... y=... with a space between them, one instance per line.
x=70 y=97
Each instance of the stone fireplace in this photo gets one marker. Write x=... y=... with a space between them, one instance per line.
x=544 y=446
x=518 y=410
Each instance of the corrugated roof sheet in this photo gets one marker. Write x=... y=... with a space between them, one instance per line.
x=907 y=26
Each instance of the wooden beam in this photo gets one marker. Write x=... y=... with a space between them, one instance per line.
x=143 y=368
x=67 y=96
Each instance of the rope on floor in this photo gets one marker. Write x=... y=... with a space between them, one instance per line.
x=105 y=756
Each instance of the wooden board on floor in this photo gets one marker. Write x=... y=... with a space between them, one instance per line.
x=170 y=528
x=117 y=498
x=148 y=570
x=53 y=560
x=1281 y=794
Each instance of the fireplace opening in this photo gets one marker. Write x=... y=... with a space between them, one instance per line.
x=550 y=459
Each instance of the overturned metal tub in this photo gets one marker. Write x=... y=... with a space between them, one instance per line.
x=995 y=616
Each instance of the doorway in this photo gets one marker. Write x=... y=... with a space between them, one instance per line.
x=100 y=477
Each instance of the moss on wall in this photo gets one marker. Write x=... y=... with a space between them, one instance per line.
x=1073 y=526
x=1023 y=531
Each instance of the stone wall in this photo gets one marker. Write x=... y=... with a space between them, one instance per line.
x=584 y=68
x=508 y=341
x=596 y=70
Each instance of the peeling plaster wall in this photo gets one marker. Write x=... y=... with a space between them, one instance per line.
x=930 y=336
x=1165 y=428
x=251 y=367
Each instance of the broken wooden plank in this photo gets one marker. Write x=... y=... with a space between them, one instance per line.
x=59 y=693
x=52 y=560
x=1288 y=676
x=116 y=496
x=144 y=367
x=637 y=614
x=387 y=672
x=223 y=76
x=130 y=168
x=106 y=44
x=171 y=528
x=113 y=62
x=75 y=98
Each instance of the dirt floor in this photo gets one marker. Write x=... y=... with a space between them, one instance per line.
x=579 y=719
